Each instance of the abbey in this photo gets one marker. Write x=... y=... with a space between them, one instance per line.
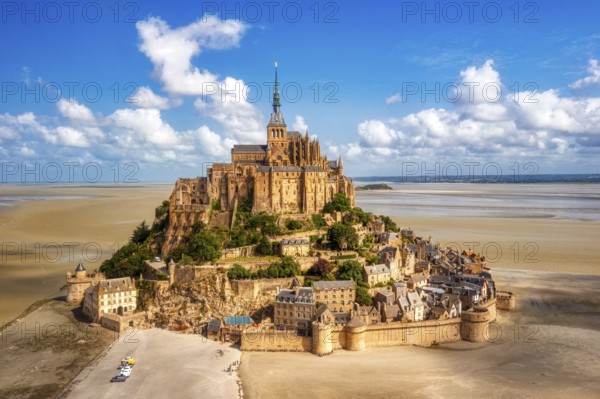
x=288 y=175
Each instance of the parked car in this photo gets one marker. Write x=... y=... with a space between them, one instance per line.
x=128 y=360
x=156 y=259
x=126 y=371
x=118 y=378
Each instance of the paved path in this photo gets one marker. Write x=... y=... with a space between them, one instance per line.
x=168 y=365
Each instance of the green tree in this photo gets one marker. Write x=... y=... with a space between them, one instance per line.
x=292 y=224
x=340 y=203
x=204 y=246
x=162 y=210
x=342 y=236
x=363 y=297
x=390 y=225
x=318 y=221
x=238 y=272
x=141 y=232
x=350 y=270
x=264 y=246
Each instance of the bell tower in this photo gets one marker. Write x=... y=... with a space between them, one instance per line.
x=277 y=129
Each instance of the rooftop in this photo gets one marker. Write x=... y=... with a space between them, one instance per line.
x=333 y=285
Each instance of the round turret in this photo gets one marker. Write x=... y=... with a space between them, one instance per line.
x=475 y=324
x=322 y=343
x=355 y=334
x=80 y=271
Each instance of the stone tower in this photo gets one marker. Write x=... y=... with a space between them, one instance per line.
x=355 y=334
x=322 y=341
x=277 y=129
x=171 y=267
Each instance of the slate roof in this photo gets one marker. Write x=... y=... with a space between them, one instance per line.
x=294 y=241
x=238 y=320
x=80 y=267
x=116 y=284
x=249 y=148
x=376 y=269
x=329 y=285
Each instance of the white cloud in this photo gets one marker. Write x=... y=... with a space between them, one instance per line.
x=71 y=137
x=171 y=50
x=540 y=125
x=143 y=126
x=593 y=78
x=299 y=124
x=76 y=112
x=240 y=119
x=393 y=99
x=144 y=97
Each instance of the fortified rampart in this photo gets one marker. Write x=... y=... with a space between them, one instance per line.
x=274 y=340
x=473 y=325
x=505 y=300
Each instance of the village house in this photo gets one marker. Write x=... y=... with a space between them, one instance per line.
x=407 y=266
x=385 y=296
x=114 y=296
x=368 y=314
x=376 y=274
x=390 y=313
x=294 y=309
x=295 y=247
x=338 y=295
x=416 y=306
x=416 y=280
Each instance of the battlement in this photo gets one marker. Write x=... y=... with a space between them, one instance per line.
x=506 y=300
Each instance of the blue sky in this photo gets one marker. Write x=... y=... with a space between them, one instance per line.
x=390 y=86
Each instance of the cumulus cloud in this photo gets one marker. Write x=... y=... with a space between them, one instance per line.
x=592 y=79
x=240 y=119
x=171 y=50
x=526 y=124
x=144 y=97
x=76 y=112
x=299 y=124
x=393 y=99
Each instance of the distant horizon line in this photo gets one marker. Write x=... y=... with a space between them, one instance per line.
x=424 y=178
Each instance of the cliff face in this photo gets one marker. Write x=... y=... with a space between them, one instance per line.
x=187 y=305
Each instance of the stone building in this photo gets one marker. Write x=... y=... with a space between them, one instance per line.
x=294 y=309
x=115 y=296
x=376 y=274
x=294 y=247
x=77 y=283
x=337 y=295
x=287 y=175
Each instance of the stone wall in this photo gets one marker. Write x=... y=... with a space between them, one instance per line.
x=232 y=254
x=422 y=333
x=190 y=273
x=273 y=340
x=250 y=289
x=505 y=300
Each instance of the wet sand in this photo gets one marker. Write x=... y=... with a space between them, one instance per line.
x=40 y=240
x=546 y=349
x=518 y=243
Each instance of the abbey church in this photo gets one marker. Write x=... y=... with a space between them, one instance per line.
x=288 y=175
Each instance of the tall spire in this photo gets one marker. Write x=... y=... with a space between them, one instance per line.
x=276 y=104
x=276 y=116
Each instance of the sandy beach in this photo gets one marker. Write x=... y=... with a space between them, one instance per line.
x=42 y=239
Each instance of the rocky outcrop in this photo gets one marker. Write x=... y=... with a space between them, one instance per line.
x=188 y=305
